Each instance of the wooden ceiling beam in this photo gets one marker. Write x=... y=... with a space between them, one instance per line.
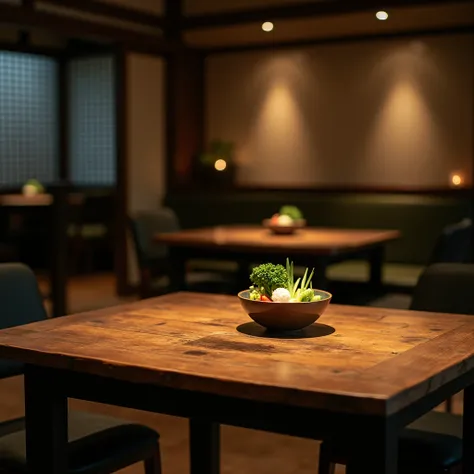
x=174 y=18
x=30 y=49
x=70 y=27
x=300 y=10
x=299 y=43
x=117 y=12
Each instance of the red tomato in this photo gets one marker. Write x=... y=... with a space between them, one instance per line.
x=265 y=298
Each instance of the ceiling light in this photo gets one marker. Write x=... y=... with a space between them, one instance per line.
x=381 y=15
x=267 y=26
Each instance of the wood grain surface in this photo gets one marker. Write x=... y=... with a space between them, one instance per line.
x=357 y=359
x=318 y=241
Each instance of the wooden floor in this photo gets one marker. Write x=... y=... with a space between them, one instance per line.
x=242 y=450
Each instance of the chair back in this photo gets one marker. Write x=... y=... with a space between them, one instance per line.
x=21 y=304
x=144 y=225
x=454 y=244
x=445 y=288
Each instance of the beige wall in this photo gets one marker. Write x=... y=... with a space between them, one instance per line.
x=146 y=167
x=393 y=112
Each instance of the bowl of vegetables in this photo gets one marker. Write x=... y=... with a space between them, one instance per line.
x=278 y=302
x=288 y=220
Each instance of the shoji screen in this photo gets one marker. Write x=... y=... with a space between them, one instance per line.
x=92 y=121
x=28 y=118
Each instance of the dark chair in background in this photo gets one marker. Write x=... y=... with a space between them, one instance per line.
x=433 y=443
x=90 y=230
x=152 y=259
x=154 y=262
x=97 y=444
x=453 y=245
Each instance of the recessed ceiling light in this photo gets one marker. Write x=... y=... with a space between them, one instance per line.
x=267 y=26
x=381 y=15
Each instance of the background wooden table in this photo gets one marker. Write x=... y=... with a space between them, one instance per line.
x=312 y=247
x=58 y=201
x=367 y=370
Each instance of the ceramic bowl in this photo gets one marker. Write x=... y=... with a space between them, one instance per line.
x=284 y=229
x=285 y=316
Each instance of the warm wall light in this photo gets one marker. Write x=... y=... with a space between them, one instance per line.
x=456 y=179
x=220 y=165
x=381 y=15
x=418 y=47
x=267 y=26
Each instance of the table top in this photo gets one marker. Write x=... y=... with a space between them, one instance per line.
x=38 y=200
x=309 y=240
x=355 y=359
x=22 y=200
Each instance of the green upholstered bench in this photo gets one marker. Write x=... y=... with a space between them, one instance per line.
x=394 y=274
x=420 y=218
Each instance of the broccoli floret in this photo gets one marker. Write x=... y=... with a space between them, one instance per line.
x=269 y=277
x=291 y=211
x=306 y=295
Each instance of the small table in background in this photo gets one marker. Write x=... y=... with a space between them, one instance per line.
x=310 y=247
x=58 y=201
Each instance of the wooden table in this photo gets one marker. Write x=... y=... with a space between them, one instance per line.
x=22 y=200
x=58 y=201
x=312 y=247
x=364 y=372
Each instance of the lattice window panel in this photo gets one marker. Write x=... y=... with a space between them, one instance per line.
x=92 y=150
x=28 y=118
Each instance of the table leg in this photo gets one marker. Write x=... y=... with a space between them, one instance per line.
x=468 y=431
x=243 y=274
x=376 y=259
x=46 y=423
x=204 y=439
x=178 y=270
x=319 y=279
x=378 y=453
x=59 y=252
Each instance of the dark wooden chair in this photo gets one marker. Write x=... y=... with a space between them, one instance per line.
x=97 y=444
x=154 y=262
x=433 y=443
x=453 y=245
x=90 y=229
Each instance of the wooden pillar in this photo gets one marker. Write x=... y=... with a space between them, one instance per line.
x=59 y=250
x=184 y=102
x=121 y=189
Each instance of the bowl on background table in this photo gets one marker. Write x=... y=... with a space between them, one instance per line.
x=280 y=229
x=285 y=316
